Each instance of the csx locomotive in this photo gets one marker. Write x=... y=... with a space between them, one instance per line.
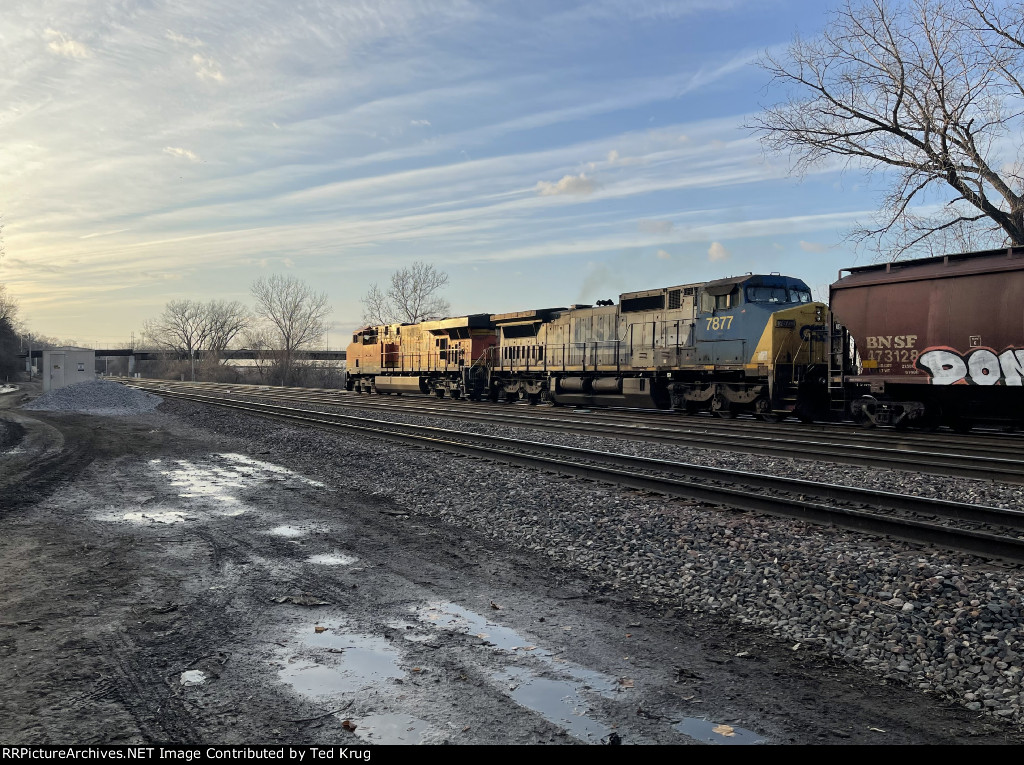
x=756 y=343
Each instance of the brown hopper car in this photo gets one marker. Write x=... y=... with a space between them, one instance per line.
x=936 y=340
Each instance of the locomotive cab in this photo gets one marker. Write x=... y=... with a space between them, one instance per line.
x=761 y=348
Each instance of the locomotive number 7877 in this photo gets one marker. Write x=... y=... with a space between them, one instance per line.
x=719 y=322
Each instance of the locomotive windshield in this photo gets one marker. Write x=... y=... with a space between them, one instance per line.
x=777 y=295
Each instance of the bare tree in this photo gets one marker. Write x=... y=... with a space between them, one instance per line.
x=9 y=342
x=297 y=313
x=411 y=297
x=182 y=328
x=226 y=320
x=8 y=306
x=930 y=93
x=256 y=338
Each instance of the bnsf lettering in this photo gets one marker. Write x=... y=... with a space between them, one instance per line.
x=891 y=341
x=980 y=366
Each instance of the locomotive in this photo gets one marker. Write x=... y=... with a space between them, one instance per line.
x=911 y=343
x=757 y=344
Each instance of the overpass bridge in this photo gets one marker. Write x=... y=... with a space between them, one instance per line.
x=136 y=355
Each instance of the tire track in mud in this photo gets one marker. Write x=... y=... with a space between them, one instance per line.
x=145 y=693
x=47 y=473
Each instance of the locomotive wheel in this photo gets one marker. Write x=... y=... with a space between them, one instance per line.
x=763 y=410
x=722 y=408
x=690 y=407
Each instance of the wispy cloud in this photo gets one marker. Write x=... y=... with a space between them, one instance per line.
x=177 y=151
x=718 y=253
x=655 y=226
x=569 y=184
x=104 y=233
x=206 y=68
x=191 y=42
x=334 y=139
x=62 y=45
x=813 y=246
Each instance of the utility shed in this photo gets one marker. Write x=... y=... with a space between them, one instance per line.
x=67 y=366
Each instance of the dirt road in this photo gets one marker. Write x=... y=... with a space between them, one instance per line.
x=163 y=583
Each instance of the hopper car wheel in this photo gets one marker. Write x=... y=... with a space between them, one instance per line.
x=864 y=421
x=439 y=392
x=960 y=425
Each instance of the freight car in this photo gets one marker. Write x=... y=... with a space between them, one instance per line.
x=931 y=341
x=756 y=344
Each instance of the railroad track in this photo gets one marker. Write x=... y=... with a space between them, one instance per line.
x=920 y=453
x=985 y=531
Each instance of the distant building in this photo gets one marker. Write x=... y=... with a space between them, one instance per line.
x=66 y=366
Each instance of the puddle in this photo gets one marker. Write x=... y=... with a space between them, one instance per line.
x=391 y=729
x=248 y=466
x=204 y=482
x=193 y=677
x=557 y=701
x=287 y=531
x=410 y=632
x=560 y=700
x=213 y=487
x=332 y=559
x=453 y=617
x=700 y=729
x=335 y=662
x=155 y=515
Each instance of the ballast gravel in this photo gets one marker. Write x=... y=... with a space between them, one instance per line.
x=947 y=624
x=100 y=397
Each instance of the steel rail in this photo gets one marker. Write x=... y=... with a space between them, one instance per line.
x=990 y=445
x=964 y=540
x=900 y=458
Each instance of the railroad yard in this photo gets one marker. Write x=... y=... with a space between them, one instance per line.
x=179 y=571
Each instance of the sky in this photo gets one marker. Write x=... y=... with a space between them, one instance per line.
x=540 y=153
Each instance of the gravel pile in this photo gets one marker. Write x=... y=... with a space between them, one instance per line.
x=100 y=397
x=946 y=624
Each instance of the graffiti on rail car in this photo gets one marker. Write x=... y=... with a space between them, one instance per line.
x=979 y=366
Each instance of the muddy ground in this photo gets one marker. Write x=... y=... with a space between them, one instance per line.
x=168 y=585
